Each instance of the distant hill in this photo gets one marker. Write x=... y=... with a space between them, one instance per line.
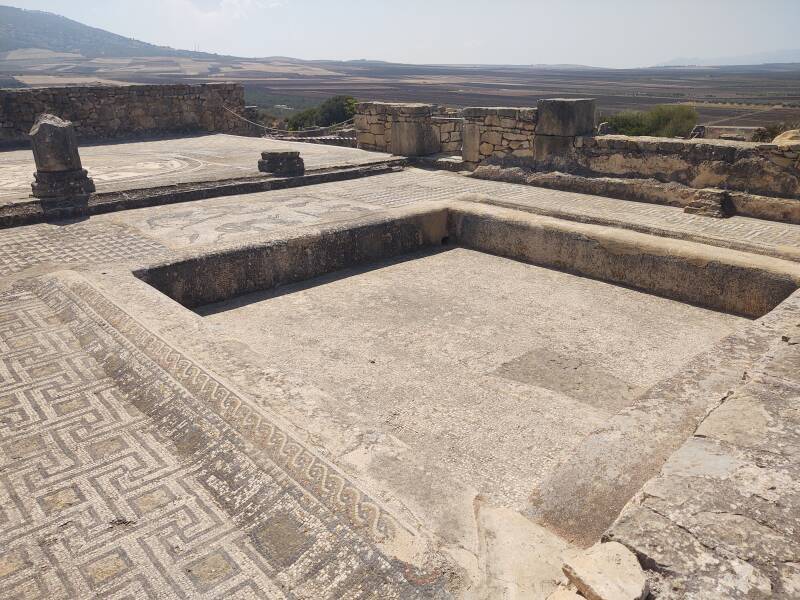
x=21 y=29
x=760 y=58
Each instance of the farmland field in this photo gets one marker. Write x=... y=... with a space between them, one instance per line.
x=747 y=95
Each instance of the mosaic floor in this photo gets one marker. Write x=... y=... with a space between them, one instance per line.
x=146 y=454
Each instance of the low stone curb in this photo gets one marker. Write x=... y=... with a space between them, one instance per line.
x=28 y=212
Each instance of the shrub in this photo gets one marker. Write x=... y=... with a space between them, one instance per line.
x=334 y=110
x=665 y=120
x=304 y=119
x=773 y=130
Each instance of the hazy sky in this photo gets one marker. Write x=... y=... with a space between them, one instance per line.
x=612 y=33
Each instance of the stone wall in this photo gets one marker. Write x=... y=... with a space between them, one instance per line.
x=373 y=123
x=765 y=169
x=731 y=132
x=498 y=133
x=559 y=136
x=101 y=113
x=449 y=132
x=403 y=129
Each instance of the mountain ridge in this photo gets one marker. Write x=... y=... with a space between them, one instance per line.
x=23 y=29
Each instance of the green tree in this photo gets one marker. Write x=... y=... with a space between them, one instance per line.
x=305 y=119
x=336 y=110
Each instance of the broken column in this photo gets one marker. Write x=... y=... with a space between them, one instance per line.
x=282 y=163
x=560 y=121
x=59 y=175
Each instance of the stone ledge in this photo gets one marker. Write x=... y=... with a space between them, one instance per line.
x=395 y=108
x=720 y=519
x=27 y=212
x=521 y=114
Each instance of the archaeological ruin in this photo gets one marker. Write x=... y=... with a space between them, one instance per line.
x=476 y=354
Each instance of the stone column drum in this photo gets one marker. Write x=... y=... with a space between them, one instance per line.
x=282 y=163
x=59 y=174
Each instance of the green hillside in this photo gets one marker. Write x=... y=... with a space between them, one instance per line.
x=21 y=28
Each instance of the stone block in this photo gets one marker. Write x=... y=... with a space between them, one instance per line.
x=415 y=138
x=710 y=202
x=55 y=147
x=360 y=122
x=607 y=572
x=283 y=163
x=59 y=174
x=516 y=137
x=492 y=137
x=486 y=149
x=565 y=116
x=471 y=138
x=548 y=147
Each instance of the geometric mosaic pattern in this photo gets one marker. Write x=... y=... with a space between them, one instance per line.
x=24 y=247
x=118 y=481
x=216 y=220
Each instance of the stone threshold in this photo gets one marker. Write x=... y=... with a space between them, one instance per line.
x=444 y=162
x=30 y=211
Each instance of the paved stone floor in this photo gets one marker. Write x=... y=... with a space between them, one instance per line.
x=181 y=160
x=150 y=231
x=134 y=465
x=228 y=219
x=426 y=351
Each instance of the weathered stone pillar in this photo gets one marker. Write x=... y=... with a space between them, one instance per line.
x=59 y=175
x=283 y=163
x=560 y=121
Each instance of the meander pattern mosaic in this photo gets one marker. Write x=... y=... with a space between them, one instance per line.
x=100 y=499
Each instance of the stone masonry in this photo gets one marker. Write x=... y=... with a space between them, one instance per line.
x=410 y=385
x=497 y=133
x=126 y=111
x=769 y=169
x=403 y=129
x=449 y=131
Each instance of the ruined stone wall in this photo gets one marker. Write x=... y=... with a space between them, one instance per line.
x=765 y=169
x=498 y=133
x=449 y=131
x=373 y=123
x=403 y=129
x=101 y=113
x=559 y=136
x=721 y=132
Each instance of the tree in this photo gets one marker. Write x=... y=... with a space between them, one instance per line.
x=336 y=110
x=305 y=119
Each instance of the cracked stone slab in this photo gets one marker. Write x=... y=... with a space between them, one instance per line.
x=607 y=572
x=722 y=518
